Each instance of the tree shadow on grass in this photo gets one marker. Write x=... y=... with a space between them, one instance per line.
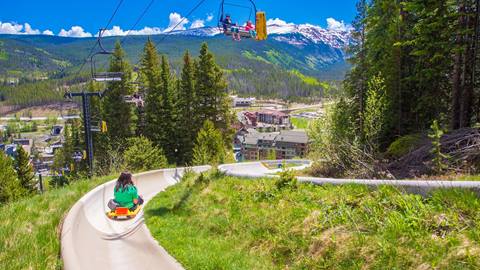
x=161 y=211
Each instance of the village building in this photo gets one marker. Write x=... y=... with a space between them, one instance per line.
x=242 y=102
x=27 y=144
x=265 y=121
x=283 y=145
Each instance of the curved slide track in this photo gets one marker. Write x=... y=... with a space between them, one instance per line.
x=90 y=240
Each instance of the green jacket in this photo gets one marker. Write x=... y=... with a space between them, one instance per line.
x=125 y=196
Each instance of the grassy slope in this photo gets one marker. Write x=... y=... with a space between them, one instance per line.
x=29 y=235
x=300 y=123
x=239 y=224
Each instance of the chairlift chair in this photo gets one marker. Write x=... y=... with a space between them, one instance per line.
x=260 y=21
x=103 y=76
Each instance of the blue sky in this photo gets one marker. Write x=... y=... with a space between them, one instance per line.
x=51 y=16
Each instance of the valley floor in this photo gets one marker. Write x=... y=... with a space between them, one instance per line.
x=219 y=222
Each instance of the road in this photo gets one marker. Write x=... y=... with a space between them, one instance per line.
x=90 y=240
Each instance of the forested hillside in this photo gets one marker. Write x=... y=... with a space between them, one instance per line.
x=274 y=68
x=415 y=69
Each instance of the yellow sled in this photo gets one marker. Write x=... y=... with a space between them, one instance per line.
x=123 y=213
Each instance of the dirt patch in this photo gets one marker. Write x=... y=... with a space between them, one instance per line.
x=329 y=239
x=47 y=110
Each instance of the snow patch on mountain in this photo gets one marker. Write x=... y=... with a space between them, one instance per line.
x=336 y=37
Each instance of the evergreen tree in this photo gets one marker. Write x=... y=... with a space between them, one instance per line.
x=10 y=188
x=150 y=76
x=356 y=82
x=213 y=102
x=167 y=114
x=24 y=170
x=186 y=121
x=209 y=146
x=142 y=155
x=117 y=113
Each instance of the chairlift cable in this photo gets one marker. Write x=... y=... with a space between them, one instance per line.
x=138 y=20
x=164 y=35
x=96 y=43
x=144 y=12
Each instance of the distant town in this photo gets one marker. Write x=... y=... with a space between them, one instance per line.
x=264 y=129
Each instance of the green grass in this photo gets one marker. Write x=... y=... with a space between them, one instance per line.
x=3 y=55
x=221 y=222
x=470 y=178
x=300 y=123
x=30 y=228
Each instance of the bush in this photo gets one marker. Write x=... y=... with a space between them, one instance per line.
x=209 y=146
x=10 y=186
x=287 y=179
x=403 y=145
x=58 y=181
x=142 y=155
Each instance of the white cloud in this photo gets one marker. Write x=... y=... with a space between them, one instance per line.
x=17 y=29
x=278 y=21
x=335 y=25
x=30 y=31
x=75 y=31
x=10 y=28
x=47 y=33
x=197 y=24
x=209 y=17
x=175 y=19
x=117 y=31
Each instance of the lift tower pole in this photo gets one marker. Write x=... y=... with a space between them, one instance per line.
x=87 y=124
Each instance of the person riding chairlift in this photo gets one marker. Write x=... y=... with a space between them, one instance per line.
x=233 y=27
x=250 y=28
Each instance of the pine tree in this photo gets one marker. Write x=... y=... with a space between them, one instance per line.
x=356 y=82
x=10 y=188
x=116 y=112
x=24 y=170
x=159 y=106
x=186 y=121
x=150 y=77
x=213 y=102
x=167 y=114
x=142 y=155
x=209 y=146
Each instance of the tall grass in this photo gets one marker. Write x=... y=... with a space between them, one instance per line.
x=30 y=228
x=221 y=222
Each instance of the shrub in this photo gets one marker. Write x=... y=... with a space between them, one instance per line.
x=438 y=157
x=142 y=155
x=403 y=146
x=10 y=187
x=287 y=179
x=209 y=147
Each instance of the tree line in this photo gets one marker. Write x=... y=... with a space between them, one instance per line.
x=414 y=63
x=180 y=115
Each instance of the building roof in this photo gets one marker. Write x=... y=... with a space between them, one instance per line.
x=273 y=112
x=287 y=136
x=292 y=136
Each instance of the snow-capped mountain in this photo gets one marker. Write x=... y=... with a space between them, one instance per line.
x=294 y=34
x=308 y=33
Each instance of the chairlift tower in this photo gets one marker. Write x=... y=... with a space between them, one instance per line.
x=87 y=123
x=86 y=96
